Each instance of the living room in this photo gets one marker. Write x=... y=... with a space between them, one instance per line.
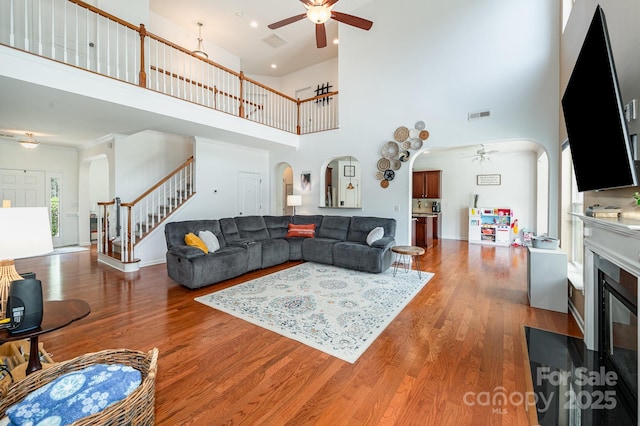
x=428 y=64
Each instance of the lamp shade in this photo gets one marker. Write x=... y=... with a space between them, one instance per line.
x=24 y=232
x=294 y=200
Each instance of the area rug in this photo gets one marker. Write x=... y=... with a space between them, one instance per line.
x=337 y=311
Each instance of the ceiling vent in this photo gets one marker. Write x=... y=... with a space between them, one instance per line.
x=274 y=41
x=479 y=114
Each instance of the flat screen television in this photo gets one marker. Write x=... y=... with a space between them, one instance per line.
x=598 y=136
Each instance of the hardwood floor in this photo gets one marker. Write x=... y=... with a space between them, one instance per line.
x=461 y=336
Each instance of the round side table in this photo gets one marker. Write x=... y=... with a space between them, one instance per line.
x=410 y=251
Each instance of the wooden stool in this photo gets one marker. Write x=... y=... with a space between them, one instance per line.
x=411 y=251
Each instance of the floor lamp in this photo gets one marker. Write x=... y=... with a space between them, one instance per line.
x=294 y=201
x=24 y=232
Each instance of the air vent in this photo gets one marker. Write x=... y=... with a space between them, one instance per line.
x=479 y=114
x=274 y=41
x=4 y=135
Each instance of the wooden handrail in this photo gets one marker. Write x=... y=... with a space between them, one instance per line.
x=324 y=95
x=105 y=14
x=157 y=185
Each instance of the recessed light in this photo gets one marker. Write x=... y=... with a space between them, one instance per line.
x=254 y=24
x=274 y=66
x=335 y=41
x=239 y=14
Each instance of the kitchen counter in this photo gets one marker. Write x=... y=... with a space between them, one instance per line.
x=424 y=214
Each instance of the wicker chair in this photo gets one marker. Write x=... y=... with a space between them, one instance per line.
x=136 y=409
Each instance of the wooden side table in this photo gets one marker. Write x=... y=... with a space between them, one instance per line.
x=412 y=252
x=56 y=314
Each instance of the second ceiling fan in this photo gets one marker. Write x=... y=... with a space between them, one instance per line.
x=319 y=12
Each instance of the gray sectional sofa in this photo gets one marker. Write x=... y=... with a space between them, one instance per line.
x=249 y=243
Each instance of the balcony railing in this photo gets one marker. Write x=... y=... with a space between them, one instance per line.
x=83 y=36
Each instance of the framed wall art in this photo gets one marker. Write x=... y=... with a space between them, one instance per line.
x=488 y=179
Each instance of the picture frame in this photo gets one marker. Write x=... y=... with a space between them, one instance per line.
x=491 y=179
x=305 y=181
x=349 y=171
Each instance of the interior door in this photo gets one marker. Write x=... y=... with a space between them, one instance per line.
x=25 y=188
x=249 y=198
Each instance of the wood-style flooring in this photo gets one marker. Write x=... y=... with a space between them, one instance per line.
x=457 y=342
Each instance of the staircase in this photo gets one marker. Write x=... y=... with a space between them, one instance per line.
x=125 y=225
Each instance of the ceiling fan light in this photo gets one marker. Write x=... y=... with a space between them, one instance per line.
x=30 y=142
x=318 y=14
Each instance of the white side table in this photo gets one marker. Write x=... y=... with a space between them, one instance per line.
x=547 y=279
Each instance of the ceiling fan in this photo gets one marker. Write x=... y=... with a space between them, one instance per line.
x=482 y=154
x=319 y=12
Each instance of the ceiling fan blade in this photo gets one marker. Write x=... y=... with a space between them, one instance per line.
x=330 y=3
x=307 y=2
x=287 y=21
x=321 y=36
x=352 y=20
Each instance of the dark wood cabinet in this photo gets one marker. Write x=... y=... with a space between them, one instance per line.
x=426 y=184
x=423 y=231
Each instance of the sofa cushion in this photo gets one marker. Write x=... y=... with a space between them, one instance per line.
x=304 y=231
x=375 y=234
x=252 y=227
x=361 y=257
x=307 y=219
x=193 y=240
x=334 y=227
x=318 y=250
x=277 y=226
x=175 y=231
x=210 y=240
x=360 y=227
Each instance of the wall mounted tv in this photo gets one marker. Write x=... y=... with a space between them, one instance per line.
x=599 y=139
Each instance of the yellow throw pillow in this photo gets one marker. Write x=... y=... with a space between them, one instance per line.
x=192 y=239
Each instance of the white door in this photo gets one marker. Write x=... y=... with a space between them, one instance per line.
x=250 y=194
x=25 y=188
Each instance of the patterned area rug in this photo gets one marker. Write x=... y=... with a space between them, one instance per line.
x=335 y=310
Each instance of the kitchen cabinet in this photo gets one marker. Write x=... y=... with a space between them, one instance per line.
x=423 y=231
x=426 y=184
x=437 y=223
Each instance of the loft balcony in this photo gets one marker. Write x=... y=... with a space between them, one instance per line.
x=81 y=36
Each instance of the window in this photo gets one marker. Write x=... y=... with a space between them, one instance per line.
x=572 y=226
x=54 y=205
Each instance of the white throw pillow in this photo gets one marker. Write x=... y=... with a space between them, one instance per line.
x=374 y=235
x=210 y=240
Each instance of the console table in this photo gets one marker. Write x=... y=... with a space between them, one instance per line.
x=56 y=314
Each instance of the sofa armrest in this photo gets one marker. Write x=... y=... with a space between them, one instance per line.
x=384 y=242
x=186 y=252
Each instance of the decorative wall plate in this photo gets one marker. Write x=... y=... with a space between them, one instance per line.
x=416 y=144
x=413 y=133
x=389 y=174
x=401 y=134
x=404 y=156
x=420 y=125
x=384 y=183
x=390 y=150
x=383 y=164
x=424 y=135
x=395 y=164
x=379 y=174
x=406 y=144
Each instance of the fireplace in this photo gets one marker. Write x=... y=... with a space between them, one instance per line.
x=611 y=271
x=618 y=329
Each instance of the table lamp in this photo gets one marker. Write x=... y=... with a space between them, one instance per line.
x=24 y=232
x=294 y=201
